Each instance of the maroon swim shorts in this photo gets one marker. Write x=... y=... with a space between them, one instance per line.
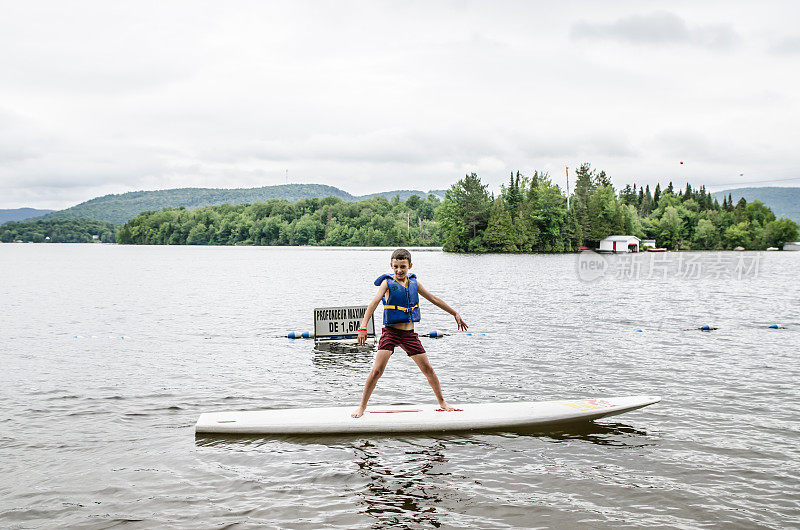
x=405 y=338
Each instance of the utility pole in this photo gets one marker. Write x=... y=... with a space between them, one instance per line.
x=567 y=170
x=408 y=224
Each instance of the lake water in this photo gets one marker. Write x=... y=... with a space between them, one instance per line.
x=110 y=353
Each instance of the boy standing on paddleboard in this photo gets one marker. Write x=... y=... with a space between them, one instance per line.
x=400 y=295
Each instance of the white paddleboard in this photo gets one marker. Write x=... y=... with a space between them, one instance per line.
x=418 y=418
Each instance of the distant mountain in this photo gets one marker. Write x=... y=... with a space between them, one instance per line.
x=120 y=208
x=784 y=202
x=20 y=214
x=403 y=194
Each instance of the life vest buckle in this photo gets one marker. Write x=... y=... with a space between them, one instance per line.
x=401 y=308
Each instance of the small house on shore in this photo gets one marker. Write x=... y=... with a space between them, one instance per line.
x=619 y=244
x=792 y=246
x=648 y=243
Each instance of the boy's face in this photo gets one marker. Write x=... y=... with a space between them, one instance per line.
x=400 y=267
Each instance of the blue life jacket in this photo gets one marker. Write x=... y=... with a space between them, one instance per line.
x=400 y=304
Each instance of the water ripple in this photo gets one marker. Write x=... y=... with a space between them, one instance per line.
x=97 y=431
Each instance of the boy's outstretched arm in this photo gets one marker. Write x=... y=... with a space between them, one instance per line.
x=438 y=302
x=362 y=334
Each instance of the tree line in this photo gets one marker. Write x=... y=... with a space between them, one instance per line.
x=531 y=214
x=58 y=231
x=329 y=221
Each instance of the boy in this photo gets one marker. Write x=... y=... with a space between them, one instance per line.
x=400 y=311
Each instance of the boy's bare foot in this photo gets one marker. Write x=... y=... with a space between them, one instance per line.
x=444 y=405
x=358 y=412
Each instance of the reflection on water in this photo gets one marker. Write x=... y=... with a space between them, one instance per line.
x=400 y=492
x=341 y=361
x=614 y=434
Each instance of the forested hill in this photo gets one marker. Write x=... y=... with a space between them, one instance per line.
x=20 y=214
x=784 y=202
x=120 y=208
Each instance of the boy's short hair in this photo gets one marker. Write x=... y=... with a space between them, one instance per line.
x=401 y=253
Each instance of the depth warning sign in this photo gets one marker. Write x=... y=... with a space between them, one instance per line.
x=341 y=322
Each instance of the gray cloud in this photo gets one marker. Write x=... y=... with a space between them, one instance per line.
x=699 y=149
x=115 y=97
x=15 y=154
x=658 y=28
x=410 y=147
x=403 y=146
x=21 y=139
x=786 y=46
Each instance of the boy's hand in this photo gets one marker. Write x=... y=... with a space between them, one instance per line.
x=362 y=337
x=460 y=322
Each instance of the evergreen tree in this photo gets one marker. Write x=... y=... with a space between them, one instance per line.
x=739 y=213
x=627 y=194
x=647 y=203
x=601 y=179
x=544 y=216
x=470 y=194
x=656 y=195
x=703 y=199
x=584 y=184
x=464 y=214
x=584 y=187
x=512 y=195
x=688 y=193
x=499 y=234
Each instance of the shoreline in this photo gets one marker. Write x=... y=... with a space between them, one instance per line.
x=414 y=248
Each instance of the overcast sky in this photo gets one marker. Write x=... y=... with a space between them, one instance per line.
x=111 y=96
